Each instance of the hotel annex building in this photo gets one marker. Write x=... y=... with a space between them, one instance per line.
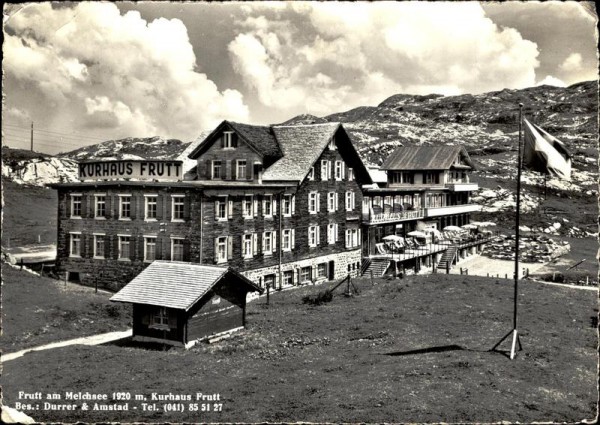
x=283 y=205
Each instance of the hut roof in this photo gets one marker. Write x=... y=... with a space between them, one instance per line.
x=176 y=284
x=425 y=158
x=302 y=145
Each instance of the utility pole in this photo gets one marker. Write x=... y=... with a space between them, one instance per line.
x=31 y=136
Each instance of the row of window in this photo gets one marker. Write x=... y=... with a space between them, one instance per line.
x=125 y=206
x=124 y=247
x=240 y=169
x=268 y=241
x=304 y=274
x=333 y=170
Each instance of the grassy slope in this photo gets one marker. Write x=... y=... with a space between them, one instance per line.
x=28 y=211
x=349 y=360
x=40 y=310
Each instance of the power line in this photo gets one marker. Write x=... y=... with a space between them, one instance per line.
x=57 y=133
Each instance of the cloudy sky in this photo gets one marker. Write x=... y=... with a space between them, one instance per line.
x=87 y=72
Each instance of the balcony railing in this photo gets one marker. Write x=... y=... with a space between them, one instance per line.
x=391 y=217
x=462 y=186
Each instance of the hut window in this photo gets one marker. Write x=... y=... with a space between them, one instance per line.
x=176 y=249
x=313 y=236
x=178 y=204
x=322 y=270
x=350 y=173
x=76 y=205
x=352 y=238
x=125 y=207
x=288 y=277
x=267 y=243
x=287 y=239
x=99 y=245
x=269 y=281
x=247 y=251
x=306 y=274
x=313 y=202
x=150 y=208
x=124 y=247
x=229 y=141
x=311 y=174
x=100 y=206
x=288 y=206
x=332 y=201
x=216 y=170
x=339 y=170
x=332 y=233
x=350 y=201
x=75 y=245
x=161 y=317
x=221 y=249
x=240 y=172
x=325 y=170
x=149 y=249
x=268 y=205
x=247 y=209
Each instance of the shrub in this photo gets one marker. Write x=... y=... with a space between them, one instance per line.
x=321 y=298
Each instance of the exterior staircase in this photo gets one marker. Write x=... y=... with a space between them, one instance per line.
x=377 y=266
x=447 y=258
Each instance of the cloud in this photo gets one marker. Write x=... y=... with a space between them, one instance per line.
x=115 y=73
x=572 y=63
x=341 y=55
x=552 y=81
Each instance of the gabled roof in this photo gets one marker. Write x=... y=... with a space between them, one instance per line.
x=258 y=137
x=425 y=158
x=176 y=284
x=302 y=145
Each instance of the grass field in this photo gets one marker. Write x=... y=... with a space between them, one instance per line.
x=412 y=350
x=38 y=310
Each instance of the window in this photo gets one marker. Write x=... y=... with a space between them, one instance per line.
x=177 y=249
x=124 y=247
x=247 y=206
x=240 y=169
x=221 y=249
x=268 y=243
x=229 y=141
x=75 y=249
x=268 y=205
x=99 y=245
x=313 y=236
x=306 y=274
x=288 y=239
x=149 y=248
x=352 y=238
x=288 y=278
x=432 y=178
x=311 y=174
x=76 y=202
x=248 y=245
x=332 y=201
x=178 y=206
x=408 y=177
x=221 y=208
x=350 y=174
x=124 y=207
x=321 y=270
x=339 y=170
x=150 y=208
x=289 y=205
x=100 y=206
x=350 y=201
x=160 y=317
x=217 y=171
x=325 y=170
x=332 y=233
x=269 y=281
x=313 y=202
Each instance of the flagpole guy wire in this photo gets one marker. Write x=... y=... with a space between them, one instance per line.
x=514 y=332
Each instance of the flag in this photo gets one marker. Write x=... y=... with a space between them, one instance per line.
x=545 y=153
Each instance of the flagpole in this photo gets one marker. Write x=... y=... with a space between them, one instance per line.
x=515 y=334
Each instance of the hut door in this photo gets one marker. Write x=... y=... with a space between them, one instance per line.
x=331 y=270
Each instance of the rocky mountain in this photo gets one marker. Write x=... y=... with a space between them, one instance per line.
x=129 y=148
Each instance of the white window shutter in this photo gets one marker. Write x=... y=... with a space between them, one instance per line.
x=359 y=241
x=230 y=209
x=337 y=199
x=255 y=206
x=274 y=236
x=254 y=243
x=336 y=232
x=229 y=247
x=262 y=247
x=343 y=170
x=318 y=202
x=216 y=209
x=216 y=249
x=293 y=204
x=274 y=206
x=318 y=234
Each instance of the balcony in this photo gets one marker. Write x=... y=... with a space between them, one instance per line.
x=393 y=217
x=451 y=209
x=462 y=187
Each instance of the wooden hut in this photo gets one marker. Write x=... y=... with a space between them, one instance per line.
x=181 y=303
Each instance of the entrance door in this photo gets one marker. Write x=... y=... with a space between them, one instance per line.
x=331 y=270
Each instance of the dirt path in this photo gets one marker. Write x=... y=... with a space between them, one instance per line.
x=86 y=340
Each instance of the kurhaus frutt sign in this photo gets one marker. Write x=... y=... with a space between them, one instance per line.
x=132 y=169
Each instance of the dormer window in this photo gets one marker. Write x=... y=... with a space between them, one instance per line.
x=228 y=140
